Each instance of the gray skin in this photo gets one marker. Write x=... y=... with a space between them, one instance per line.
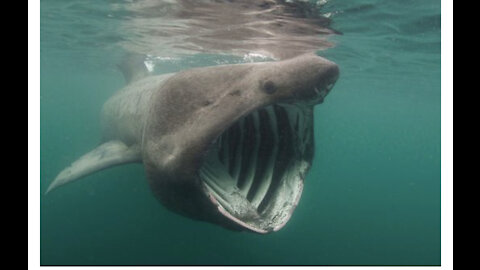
x=170 y=122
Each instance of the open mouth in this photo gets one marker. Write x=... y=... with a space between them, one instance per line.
x=254 y=170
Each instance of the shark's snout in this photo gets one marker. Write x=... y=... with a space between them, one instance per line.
x=329 y=74
x=327 y=77
x=307 y=79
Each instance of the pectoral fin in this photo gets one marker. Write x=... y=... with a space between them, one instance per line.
x=109 y=154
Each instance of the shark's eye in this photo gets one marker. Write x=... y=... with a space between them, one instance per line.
x=269 y=87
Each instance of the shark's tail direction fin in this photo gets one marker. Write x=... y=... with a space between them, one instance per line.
x=106 y=155
x=133 y=67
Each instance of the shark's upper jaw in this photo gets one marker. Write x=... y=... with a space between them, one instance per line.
x=254 y=171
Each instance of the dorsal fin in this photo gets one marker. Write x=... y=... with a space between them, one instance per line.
x=133 y=67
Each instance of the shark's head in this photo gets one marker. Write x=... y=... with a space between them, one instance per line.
x=232 y=144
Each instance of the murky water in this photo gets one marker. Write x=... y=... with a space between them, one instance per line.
x=372 y=196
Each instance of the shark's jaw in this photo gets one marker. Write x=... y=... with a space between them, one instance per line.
x=254 y=171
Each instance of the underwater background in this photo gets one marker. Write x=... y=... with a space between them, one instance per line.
x=372 y=196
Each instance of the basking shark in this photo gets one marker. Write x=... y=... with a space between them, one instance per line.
x=227 y=144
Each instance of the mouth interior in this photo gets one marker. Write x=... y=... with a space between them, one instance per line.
x=254 y=171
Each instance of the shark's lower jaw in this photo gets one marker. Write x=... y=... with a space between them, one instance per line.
x=254 y=171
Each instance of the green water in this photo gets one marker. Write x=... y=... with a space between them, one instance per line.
x=372 y=196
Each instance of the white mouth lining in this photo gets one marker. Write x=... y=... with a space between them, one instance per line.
x=255 y=169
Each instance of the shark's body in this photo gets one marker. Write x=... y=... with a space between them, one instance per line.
x=226 y=144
